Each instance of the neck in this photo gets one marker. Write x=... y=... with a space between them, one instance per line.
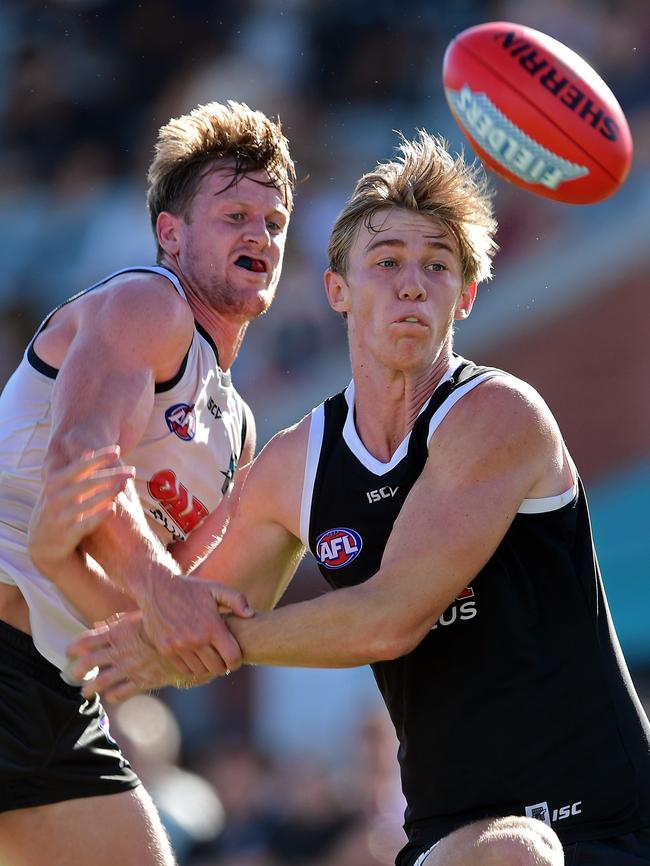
x=227 y=331
x=387 y=402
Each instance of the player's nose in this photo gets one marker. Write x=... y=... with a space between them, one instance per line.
x=257 y=231
x=412 y=285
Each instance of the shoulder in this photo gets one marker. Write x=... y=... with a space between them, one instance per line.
x=287 y=448
x=139 y=309
x=503 y=407
x=274 y=483
x=501 y=423
x=145 y=296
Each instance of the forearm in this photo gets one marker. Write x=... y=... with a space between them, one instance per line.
x=129 y=551
x=86 y=587
x=345 y=628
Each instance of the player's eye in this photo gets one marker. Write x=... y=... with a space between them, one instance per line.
x=436 y=266
x=237 y=217
x=386 y=263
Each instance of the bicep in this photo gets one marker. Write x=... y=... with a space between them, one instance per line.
x=110 y=405
x=462 y=505
x=260 y=550
x=125 y=338
x=257 y=557
x=442 y=539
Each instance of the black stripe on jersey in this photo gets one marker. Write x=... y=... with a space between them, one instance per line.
x=52 y=372
x=208 y=339
x=243 y=432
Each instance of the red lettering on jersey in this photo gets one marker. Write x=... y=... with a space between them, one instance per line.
x=184 y=509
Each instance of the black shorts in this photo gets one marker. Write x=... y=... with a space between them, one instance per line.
x=630 y=849
x=54 y=744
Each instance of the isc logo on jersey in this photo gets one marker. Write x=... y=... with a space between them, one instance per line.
x=338 y=547
x=181 y=421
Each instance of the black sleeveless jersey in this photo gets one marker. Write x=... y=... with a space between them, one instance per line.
x=518 y=701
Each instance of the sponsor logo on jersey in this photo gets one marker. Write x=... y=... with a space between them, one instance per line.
x=542 y=812
x=338 y=547
x=462 y=609
x=181 y=421
x=214 y=409
x=184 y=509
x=510 y=146
x=381 y=493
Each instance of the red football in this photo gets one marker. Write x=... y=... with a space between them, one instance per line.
x=536 y=113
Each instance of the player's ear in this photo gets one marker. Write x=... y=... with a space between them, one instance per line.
x=466 y=301
x=167 y=232
x=337 y=291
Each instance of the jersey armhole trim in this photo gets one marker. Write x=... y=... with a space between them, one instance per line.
x=441 y=413
x=160 y=387
x=552 y=503
x=528 y=506
x=316 y=429
x=51 y=372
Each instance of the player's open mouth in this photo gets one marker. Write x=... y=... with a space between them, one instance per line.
x=410 y=320
x=258 y=266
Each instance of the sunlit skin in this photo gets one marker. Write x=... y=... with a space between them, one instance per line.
x=226 y=221
x=402 y=291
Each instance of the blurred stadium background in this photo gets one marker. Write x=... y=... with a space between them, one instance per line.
x=281 y=767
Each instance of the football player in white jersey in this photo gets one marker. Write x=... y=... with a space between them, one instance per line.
x=142 y=360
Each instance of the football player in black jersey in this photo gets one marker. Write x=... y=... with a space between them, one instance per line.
x=441 y=503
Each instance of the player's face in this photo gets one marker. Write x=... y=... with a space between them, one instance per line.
x=402 y=291
x=232 y=244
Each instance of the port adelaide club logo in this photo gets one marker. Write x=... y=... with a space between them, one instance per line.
x=181 y=421
x=337 y=548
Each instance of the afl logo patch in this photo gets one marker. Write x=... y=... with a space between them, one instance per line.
x=338 y=547
x=181 y=421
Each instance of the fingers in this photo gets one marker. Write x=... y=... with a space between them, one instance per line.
x=108 y=678
x=89 y=656
x=186 y=663
x=87 y=464
x=235 y=601
x=88 y=642
x=94 y=472
x=212 y=662
x=212 y=652
x=112 y=685
x=227 y=647
x=103 y=486
x=121 y=692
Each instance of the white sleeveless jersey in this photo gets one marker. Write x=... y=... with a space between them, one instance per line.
x=185 y=463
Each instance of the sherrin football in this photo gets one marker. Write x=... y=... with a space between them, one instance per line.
x=536 y=113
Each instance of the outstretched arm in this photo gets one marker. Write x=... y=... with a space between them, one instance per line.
x=130 y=335
x=259 y=553
x=477 y=475
x=498 y=446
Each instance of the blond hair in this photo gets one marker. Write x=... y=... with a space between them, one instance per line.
x=189 y=146
x=424 y=177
